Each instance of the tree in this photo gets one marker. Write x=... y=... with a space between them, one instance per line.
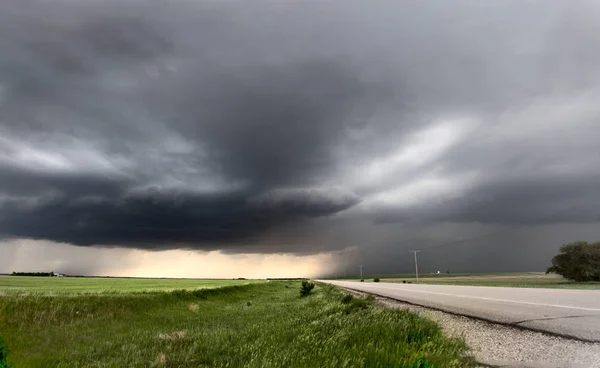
x=578 y=261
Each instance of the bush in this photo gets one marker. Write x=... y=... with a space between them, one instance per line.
x=306 y=288
x=3 y=352
x=356 y=304
x=362 y=280
x=376 y=280
x=404 y=281
x=578 y=261
x=347 y=298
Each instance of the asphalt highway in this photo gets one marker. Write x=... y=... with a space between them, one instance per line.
x=569 y=313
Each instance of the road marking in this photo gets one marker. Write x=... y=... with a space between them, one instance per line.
x=479 y=297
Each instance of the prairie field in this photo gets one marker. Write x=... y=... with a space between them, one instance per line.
x=70 y=285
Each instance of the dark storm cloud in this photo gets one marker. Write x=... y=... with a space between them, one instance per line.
x=524 y=202
x=83 y=211
x=262 y=127
x=275 y=125
x=258 y=124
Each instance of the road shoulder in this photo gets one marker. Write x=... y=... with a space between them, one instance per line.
x=497 y=345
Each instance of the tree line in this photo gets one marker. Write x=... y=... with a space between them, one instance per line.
x=45 y=274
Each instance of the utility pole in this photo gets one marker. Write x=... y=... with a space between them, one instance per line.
x=416 y=264
x=360 y=266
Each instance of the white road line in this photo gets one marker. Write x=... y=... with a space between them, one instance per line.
x=481 y=298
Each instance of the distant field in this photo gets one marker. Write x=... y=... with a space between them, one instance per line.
x=69 y=285
x=258 y=325
x=520 y=279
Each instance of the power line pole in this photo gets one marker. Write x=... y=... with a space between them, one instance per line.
x=360 y=266
x=416 y=263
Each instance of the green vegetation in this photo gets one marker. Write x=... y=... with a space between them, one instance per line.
x=3 y=354
x=38 y=274
x=69 y=285
x=520 y=279
x=306 y=288
x=403 y=276
x=578 y=261
x=256 y=325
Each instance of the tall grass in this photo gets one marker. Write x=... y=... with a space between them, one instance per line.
x=258 y=325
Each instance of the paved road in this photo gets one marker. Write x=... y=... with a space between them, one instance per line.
x=573 y=313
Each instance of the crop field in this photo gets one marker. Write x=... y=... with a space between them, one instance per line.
x=70 y=285
x=520 y=279
x=260 y=324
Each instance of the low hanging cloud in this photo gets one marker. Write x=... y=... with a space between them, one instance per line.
x=262 y=127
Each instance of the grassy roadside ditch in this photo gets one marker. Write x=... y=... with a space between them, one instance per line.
x=257 y=325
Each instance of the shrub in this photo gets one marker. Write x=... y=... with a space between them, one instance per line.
x=404 y=281
x=306 y=288
x=375 y=280
x=356 y=304
x=3 y=352
x=347 y=298
x=362 y=280
x=578 y=261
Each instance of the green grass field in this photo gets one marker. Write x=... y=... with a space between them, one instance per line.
x=263 y=324
x=70 y=285
x=515 y=279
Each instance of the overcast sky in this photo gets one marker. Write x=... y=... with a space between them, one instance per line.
x=309 y=136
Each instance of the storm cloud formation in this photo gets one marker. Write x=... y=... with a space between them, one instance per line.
x=256 y=126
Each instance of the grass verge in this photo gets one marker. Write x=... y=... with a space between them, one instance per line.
x=257 y=325
x=521 y=279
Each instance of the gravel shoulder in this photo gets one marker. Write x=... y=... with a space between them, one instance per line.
x=497 y=345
